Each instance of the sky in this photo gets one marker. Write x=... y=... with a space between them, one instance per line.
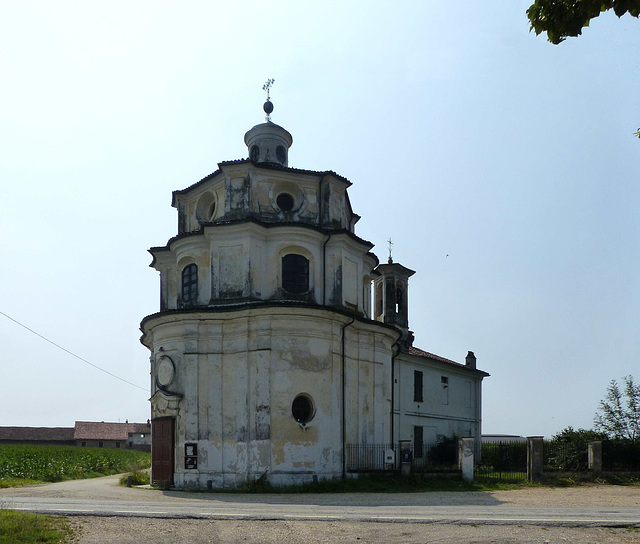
x=504 y=169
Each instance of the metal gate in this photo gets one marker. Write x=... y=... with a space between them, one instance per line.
x=503 y=461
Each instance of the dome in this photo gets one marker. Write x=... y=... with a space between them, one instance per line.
x=268 y=143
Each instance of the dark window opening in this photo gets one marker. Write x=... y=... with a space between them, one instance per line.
x=190 y=284
x=378 y=308
x=295 y=274
x=281 y=154
x=285 y=202
x=399 y=297
x=302 y=409
x=445 y=389
x=418 y=442
x=117 y=444
x=83 y=444
x=417 y=386
x=254 y=154
x=101 y=444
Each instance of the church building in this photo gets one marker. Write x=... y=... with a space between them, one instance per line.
x=281 y=339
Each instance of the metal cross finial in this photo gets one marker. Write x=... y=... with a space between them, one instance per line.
x=390 y=249
x=268 y=106
x=268 y=86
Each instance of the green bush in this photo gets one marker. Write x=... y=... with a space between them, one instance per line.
x=568 y=449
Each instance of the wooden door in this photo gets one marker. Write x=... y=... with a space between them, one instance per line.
x=162 y=451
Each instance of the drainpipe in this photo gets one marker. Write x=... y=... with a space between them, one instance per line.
x=344 y=401
x=393 y=387
x=324 y=270
x=324 y=246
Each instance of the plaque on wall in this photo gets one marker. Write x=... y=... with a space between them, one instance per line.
x=190 y=456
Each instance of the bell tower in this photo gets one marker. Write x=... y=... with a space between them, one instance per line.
x=391 y=297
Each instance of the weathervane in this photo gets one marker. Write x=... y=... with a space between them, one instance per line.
x=390 y=248
x=268 y=106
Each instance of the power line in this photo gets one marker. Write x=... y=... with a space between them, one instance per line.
x=73 y=354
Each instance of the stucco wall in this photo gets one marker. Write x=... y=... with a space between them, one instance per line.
x=237 y=374
x=451 y=409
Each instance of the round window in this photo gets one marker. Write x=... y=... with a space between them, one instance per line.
x=302 y=409
x=285 y=202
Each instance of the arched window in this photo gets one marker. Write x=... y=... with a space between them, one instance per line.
x=295 y=274
x=189 y=284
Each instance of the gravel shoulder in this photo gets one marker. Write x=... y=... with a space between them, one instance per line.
x=143 y=530
x=123 y=530
x=109 y=488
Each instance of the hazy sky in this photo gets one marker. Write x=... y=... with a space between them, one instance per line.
x=463 y=134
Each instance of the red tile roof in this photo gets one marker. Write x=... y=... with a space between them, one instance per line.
x=92 y=430
x=40 y=434
x=426 y=354
x=421 y=353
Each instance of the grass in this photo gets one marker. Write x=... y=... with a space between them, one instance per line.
x=415 y=483
x=139 y=476
x=18 y=482
x=23 y=527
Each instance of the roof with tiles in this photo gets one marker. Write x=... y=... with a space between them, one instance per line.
x=425 y=354
x=39 y=434
x=92 y=430
x=141 y=428
x=261 y=165
x=421 y=353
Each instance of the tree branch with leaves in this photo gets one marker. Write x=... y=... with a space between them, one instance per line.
x=619 y=412
x=563 y=18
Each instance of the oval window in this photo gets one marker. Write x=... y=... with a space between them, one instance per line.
x=302 y=409
x=285 y=202
x=254 y=153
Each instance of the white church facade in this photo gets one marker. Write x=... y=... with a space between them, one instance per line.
x=281 y=338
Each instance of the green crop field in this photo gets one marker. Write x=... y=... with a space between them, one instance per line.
x=57 y=463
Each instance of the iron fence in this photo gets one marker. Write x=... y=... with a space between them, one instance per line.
x=621 y=455
x=561 y=456
x=503 y=461
x=439 y=456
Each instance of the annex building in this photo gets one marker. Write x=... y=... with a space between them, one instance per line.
x=281 y=339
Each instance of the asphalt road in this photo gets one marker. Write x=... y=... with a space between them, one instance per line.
x=104 y=497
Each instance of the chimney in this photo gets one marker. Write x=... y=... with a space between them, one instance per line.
x=470 y=360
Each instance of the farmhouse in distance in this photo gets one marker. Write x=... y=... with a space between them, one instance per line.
x=88 y=434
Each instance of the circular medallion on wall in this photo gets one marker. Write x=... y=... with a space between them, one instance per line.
x=165 y=371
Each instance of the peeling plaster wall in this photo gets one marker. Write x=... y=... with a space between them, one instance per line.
x=237 y=375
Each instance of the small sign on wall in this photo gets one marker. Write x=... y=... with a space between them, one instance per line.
x=191 y=456
x=389 y=457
